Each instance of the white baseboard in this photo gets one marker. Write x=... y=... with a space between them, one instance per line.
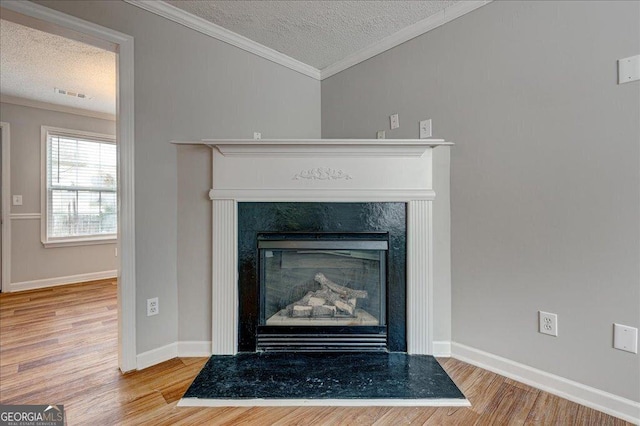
x=606 y=402
x=71 y=279
x=442 y=349
x=188 y=349
x=156 y=356
x=184 y=349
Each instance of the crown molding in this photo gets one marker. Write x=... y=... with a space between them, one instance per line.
x=210 y=29
x=434 y=21
x=14 y=100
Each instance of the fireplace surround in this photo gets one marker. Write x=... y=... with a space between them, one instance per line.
x=336 y=171
x=284 y=246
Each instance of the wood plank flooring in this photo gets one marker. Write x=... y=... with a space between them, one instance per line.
x=59 y=346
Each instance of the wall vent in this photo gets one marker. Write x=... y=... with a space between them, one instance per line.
x=70 y=93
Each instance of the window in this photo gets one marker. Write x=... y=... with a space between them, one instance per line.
x=79 y=188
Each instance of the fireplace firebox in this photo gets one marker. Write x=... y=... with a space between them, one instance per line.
x=322 y=292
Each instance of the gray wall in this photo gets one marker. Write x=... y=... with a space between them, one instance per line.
x=545 y=180
x=29 y=259
x=187 y=87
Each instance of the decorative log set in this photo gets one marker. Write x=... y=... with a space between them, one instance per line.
x=332 y=300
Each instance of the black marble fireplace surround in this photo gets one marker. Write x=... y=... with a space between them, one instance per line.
x=383 y=220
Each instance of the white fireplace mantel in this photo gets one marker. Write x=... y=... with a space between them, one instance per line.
x=322 y=170
x=328 y=147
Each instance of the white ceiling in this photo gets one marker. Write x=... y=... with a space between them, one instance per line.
x=33 y=63
x=317 y=33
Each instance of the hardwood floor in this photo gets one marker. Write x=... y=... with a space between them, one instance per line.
x=59 y=346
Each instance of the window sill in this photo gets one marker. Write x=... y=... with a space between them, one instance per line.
x=79 y=242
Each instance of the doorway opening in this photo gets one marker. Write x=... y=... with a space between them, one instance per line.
x=59 y=24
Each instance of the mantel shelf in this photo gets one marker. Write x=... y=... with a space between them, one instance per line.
x=341 y=147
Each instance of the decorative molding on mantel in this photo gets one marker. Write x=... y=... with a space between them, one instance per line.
x=321 y=147
x=419 y=277
x=322 y=173
x=224 y=302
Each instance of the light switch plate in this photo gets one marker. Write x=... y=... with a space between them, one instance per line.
x=395 y=121
x=425 y=129
x=629 y=69
x=625 y=338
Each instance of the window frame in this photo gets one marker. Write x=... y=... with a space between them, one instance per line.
x=45 y=132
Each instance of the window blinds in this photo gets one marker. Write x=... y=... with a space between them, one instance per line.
x=81 y=187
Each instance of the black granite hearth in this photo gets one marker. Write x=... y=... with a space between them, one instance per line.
x=308 y=376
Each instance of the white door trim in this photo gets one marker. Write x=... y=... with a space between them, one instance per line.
x=125 y=136
x=6 y=207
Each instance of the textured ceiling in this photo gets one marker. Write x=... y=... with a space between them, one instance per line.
x=33 y=63
x=317 y=33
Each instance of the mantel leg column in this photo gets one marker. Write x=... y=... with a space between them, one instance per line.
x=419 y=278
x=224 y=289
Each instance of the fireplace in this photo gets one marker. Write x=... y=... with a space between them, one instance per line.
x=333 y=173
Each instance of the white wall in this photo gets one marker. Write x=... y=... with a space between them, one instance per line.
x=187 y=87
x=30 y=261
x=545 y=180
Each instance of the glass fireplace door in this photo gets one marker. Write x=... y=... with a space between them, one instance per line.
x=310 y=288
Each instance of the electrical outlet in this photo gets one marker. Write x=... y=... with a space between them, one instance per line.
x=257 y=135
x=395 y=121
x=17 y=200
x=153 y=308
x=548 y=323
x=380 y=134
